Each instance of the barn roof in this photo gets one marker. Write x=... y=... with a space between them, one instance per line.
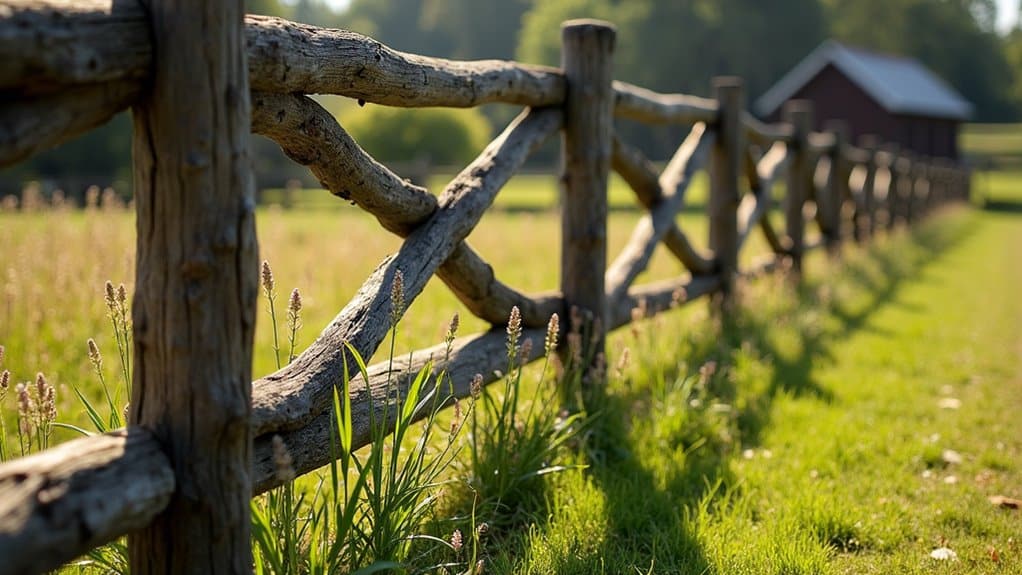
x=900 y=85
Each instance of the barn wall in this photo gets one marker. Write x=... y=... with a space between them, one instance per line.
x=836 y=97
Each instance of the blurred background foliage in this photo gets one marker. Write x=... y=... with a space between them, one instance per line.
x=666 y=45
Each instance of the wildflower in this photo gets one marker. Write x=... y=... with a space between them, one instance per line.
x=452 y=328
x=94 y=356
x=267 y=278
x=110 y=297
x=122 y=294
x=706 y=372
x=526 y=352
x=553 y=328
x=482 y=529
x=575 y=348
x=397 y=298
x=479 y=567
x=678 y=297
x=514 y=331
x=456 y=542
x=623 y=361
x=47 y=400
x=477 y=385
x=5 y=382
x=26 y=409
x=294 y=303
x=282 y=462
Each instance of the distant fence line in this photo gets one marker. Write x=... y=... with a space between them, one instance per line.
x=66 y=68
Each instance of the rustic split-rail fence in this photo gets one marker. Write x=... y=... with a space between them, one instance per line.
x=200 y=76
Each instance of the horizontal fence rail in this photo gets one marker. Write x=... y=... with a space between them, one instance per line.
x=68 y=67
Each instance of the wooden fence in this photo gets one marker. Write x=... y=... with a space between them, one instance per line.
x=199 y=75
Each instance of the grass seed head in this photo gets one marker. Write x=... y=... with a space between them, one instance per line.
x=5 y=382
x=452 y=328
x=456 y=542
x=397 y=297
x=477 y=385
x=94 y=355
x=122 y=294
x=526 y=352
x=514 y=331
x=294 y=303
x=267 y=277
x=553 y=328
x=110 y=296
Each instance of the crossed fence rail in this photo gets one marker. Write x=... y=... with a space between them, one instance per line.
x=67 y=67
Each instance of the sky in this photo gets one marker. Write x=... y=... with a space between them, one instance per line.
x=1007 y=12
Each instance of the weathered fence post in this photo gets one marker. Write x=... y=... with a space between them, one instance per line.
x=865 y=222
x=798 y=113
x=586 y=145
x=725 y=172
x=890 y=154
x=196 y=286
x=902 y=189
x=838 y=192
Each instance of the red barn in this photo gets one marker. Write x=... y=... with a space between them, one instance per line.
x=895 y=98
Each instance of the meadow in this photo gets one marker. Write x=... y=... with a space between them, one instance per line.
x=855 y=424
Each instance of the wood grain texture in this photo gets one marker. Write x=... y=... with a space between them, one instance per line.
x=798 y=113
x=58 y=504
x=293 y=396
x=38 y=123
x=196 y=286
x=655 y=224
x=754 y=206
x=289 y=57
x=587 y=48
x=311 y=136
x=635 y=103
x=763 y=134
x=726 y=164
x=641 y=176
x=47 y=46
x=484 y=354
x=309 y=446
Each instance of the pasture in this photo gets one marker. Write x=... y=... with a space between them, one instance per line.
x=852 y=426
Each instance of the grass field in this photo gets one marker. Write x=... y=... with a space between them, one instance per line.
x=851 y=427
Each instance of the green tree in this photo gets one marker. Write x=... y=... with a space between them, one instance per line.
x=441 y=136
x=954 y=38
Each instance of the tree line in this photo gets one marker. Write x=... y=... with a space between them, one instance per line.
x=667 y=45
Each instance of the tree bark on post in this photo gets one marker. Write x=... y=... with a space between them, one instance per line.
x=586 y=147
x=725 y=171
x=196 y=286
x=798 y=113
x=839 y=191
x=865 y=222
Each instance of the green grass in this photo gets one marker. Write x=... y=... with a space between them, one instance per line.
x=992 y=139
x=817 y=445
x=805 y=436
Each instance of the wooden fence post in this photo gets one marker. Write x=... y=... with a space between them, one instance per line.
x=196 y=286
x=587 y=139
x=865 y=224
x=838 y=191
x=798 y=113
x=902 y=189
x=891 y=197
x=725 y=172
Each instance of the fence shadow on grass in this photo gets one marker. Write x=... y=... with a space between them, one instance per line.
x=647 y=510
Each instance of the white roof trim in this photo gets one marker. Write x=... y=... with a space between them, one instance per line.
x=899 y=85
